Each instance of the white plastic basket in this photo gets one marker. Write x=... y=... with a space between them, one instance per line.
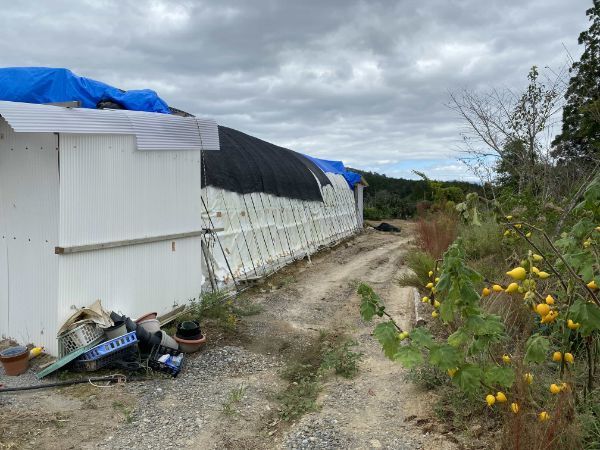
x=85 y=334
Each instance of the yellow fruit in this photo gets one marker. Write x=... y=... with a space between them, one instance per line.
x=451 y=372
x=434 y=314
x=549 y=300
x=543 y=416
x=35 y=351
x=569 y=358
x=436 y=304
x=550 y=317
x=573 y=325
x=437 y=279
x=506 y=359
x=542 y=309
x=429 y=285
x=537 y=258
x=430 y=273
x=597 y=229
x=518 y=225
x=500 y=397
x=592 y=285
x=543 y=275
x=514 y=407
x=490 y=399
x=557 y=356
x=554 y=388
x=507 y=233
x=509 y=217
x=534 y=270
x=512 y=287
x=518 y=273
x=528 y=234
x=528 y=377
x=425 y=299
x=497 y=288
x=485 y=292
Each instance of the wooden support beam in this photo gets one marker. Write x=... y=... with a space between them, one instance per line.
x=127 y=242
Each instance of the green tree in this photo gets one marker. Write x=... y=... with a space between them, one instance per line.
x=579 y=140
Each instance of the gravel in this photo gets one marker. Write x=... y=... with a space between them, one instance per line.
x=173 y=413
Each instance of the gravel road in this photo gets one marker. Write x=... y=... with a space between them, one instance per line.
x=226 y=397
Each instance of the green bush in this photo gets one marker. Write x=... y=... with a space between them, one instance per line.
x=420 y=263
x=482 y=241
x=373 y=214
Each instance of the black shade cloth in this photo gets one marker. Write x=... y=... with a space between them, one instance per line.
x=246 y=164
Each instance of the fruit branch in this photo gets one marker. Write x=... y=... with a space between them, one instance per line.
x=518 y=230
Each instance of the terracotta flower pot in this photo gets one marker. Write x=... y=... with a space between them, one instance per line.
x=190 y=346
x=166 y=340
x=147 y=316
x=15 y=360
x=150 y=325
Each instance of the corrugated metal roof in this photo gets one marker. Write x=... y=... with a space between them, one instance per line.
x=153 y=131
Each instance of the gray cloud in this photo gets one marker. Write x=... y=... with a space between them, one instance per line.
x=362 y=81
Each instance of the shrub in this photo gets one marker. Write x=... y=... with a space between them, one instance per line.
x=420 y=263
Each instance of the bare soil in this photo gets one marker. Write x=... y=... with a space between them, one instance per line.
x=378 y=408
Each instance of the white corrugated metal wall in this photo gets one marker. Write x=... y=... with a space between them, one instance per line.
x=109 y=191
x=29 y=190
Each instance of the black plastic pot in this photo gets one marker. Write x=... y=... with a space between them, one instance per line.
x=189 y=330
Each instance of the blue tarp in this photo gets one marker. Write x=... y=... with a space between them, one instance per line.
x=336 y=167
x=47 y=85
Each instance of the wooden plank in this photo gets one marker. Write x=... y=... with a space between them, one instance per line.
x=127 y=242
x=171 y=316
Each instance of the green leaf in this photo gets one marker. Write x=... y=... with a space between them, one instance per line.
x=444 y=282
x=387 y=335
x=458 y=338
x=502 y=376
x=370 y=302
x=367 y=310
x=447 y=310
x=408 y=356
x=444 y=357
x=587 y=314
x=468 y=294
x=421 y=337
x=536 y=349
x=468 y=378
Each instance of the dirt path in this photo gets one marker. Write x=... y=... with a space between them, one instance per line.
x=227 y=395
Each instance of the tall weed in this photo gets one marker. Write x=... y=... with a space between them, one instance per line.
x=436 y=232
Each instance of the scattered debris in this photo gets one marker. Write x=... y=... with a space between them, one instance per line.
x=384 y=226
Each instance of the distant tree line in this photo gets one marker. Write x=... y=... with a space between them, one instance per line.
x=399 y=198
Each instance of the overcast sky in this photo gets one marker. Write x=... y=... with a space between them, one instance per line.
x=361 y=81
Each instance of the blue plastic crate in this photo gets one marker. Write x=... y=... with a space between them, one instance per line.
x=108 y=347
x=124 y=355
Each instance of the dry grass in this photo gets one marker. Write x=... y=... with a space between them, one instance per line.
x=436 y=232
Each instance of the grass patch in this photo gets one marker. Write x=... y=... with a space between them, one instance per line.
x=427 y=377
x=222 y=310
x=326 y=355
x=125 y=410
x=235 y=397
x=420 y=264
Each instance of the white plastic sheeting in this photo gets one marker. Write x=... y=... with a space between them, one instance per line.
x=263 y=232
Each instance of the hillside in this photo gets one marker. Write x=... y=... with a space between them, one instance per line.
x=388 y=197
